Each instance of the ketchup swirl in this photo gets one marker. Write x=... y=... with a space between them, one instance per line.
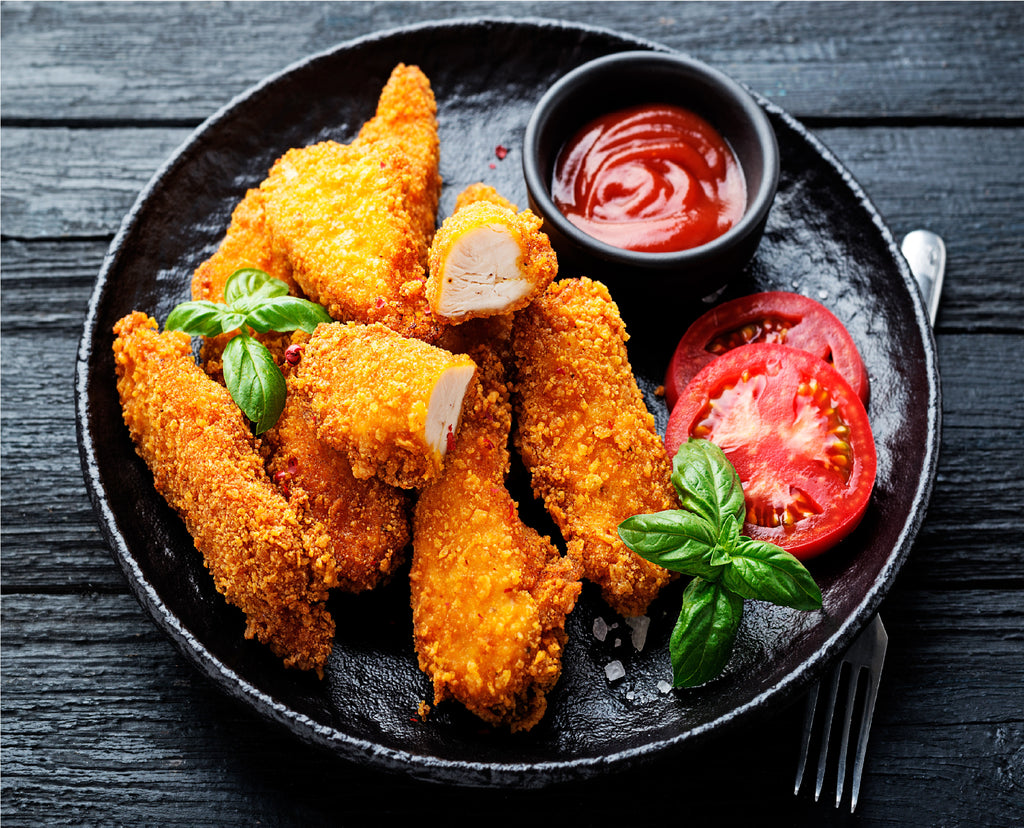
x=653 y=178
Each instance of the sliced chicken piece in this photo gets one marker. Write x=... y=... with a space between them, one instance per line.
x=392 y=404
x=487 y=259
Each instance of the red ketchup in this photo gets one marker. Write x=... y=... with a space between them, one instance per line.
x=654 y=178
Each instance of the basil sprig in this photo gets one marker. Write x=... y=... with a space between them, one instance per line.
x=253 y=300
x=702 y=539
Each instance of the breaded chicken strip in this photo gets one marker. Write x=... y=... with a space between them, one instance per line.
x=406 y=118
x=247 y=243
x=362 y=525
x=204 y=462
x=347 y=225
x=389 y=403
x=487 y=259
x=489 y=594
x=587 y=437
x=338 y=214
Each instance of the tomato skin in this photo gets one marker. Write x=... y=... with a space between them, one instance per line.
x=810 y=326
x=783 y=441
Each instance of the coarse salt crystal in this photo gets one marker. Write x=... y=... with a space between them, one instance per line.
x=639 y=625
x=600 y=629
x=664 y=686
x=614 y=670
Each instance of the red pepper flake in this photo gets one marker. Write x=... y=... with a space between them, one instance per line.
x=501 y=152
x=493 y=166
x=380 y=303
x=450 y=437
x=292 y=354
x=283 y=477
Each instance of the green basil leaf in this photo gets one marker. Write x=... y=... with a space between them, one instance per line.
x=677 y=540
x=255 y=382
x=203 y=318
x=728 y=537
x=703 y=637
x=251 y=282
x=286 y=313
x=707 y=483
x=766 y=572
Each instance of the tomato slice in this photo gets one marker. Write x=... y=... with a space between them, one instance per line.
x=796 y=433
x=783 y=318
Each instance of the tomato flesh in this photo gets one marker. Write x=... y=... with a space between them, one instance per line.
x=773 y=317
x=798 y=436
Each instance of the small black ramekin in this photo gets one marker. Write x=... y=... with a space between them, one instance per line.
x=626 y=79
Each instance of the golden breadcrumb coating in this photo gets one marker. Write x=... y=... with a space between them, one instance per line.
x=489 y=594
x=361 y=525
x=406 y=118
x=482 y=192
x=247 y=243
x=493 y=331
x=587 y=437
x=338 y=214
x=487 y=259
x=205 y=464
x=389 y=403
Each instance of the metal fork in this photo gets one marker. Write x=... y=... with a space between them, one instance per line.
x=867 y=653
x=925 y=252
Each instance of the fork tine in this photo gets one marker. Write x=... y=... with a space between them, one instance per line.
x=851 y=696
x=812 y=703
x=862 y=739
x=827 y=727
x=865 y=655
x=874 y=679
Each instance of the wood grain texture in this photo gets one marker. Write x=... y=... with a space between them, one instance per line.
x=119 y=62
x=105 y=723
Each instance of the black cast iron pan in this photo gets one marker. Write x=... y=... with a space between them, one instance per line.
x=823 y=238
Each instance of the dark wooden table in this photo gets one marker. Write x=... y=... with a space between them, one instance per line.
x=104 y=723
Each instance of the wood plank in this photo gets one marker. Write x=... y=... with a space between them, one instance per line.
x=912 y=179
x=77 y=182
x=68 y=62
x=50 y=537
x=87 y=180
x=104 y=722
